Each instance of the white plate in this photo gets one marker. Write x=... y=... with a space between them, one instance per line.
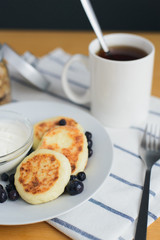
x=98 y=167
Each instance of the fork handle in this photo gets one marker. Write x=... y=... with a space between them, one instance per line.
x=141 y=230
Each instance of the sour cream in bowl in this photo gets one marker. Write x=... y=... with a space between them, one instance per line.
x=16 y=139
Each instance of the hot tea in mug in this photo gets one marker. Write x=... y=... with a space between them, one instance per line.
x=122 y=53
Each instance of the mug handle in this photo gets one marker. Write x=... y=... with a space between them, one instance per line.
x=85 y=98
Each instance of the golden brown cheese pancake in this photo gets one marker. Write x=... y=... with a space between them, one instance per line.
x=42 y=127
x=70 y=141
x=42 y=176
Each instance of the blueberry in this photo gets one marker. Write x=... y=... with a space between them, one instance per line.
x=4 y=177
x=73 y=177
x=13 y=195
x=3 y=196
x=90 y=143
x=88 y=135
x=74 y=187
x=62 y=122
x=81 y=176
x=90 y=152
x=11 y=178
x=10 y=187
x=1 y=187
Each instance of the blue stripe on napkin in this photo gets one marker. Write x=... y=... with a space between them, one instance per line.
x=154 y=113
x=152 y=215
x=75 y=229
x=129 y=183
x=157 y=164
x=131 y=153
x=100 y=204
x=141 y=129
x=138 y=128
x=127 y=151
x=120 y=238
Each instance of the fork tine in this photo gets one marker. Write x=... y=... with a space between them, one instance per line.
x=144 y=138
x=150 y=142
x=159 y=141
x=155 y=146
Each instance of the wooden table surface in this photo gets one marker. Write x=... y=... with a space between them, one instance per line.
x=40 y=43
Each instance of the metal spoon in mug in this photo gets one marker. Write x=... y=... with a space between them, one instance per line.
x=94 y=23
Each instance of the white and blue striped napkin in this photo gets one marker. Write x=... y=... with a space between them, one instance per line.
x=111 y=213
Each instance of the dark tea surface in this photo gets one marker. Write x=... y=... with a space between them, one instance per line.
x=122 y=53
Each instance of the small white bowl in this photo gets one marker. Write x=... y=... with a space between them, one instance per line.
x=12 y=159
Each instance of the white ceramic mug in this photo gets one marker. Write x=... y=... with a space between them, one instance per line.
x=120 y=90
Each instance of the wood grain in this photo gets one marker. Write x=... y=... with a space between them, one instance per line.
x=40 y=43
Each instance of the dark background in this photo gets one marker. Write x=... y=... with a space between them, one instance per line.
x=69 y=14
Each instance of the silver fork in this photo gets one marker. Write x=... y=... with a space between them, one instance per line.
x=150 y=153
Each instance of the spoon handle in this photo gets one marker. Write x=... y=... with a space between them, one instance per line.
x=141 y=230
x=93 y=20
